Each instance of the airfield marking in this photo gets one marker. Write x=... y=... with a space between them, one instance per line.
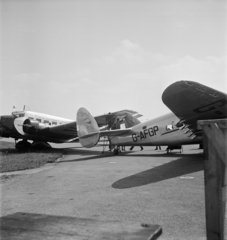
x=186 y=177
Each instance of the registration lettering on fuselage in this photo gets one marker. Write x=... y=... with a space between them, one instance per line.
x=147 y=132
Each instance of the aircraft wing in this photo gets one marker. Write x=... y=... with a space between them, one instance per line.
x=191 y=101
x=109 y=118
x=69 y=129
x=61 y=133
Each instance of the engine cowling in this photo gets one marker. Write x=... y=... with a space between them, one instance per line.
x=31 y=126
x=27 y=126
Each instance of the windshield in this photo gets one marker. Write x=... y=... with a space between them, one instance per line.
x=18 y=114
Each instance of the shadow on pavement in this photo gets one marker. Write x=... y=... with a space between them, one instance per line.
x=85 y=155
x=169 y=170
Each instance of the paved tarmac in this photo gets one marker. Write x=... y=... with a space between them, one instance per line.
x=144 y=186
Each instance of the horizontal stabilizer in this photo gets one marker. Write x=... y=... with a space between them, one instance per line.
x=89 y=135
x=87 y=127
x=116 y=133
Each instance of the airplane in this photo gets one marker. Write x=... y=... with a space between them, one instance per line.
x=43 y=128
x=189 y=101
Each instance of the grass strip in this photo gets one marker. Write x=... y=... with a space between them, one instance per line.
x=13 y=160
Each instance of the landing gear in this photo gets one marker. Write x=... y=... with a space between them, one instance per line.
x=22 y=145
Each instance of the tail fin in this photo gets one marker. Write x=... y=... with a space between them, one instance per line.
x=87 y=127
x=130 y=121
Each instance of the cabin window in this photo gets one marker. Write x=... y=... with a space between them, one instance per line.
x=21 y=115
x=54 y=123
x=46 y=122
x=38 y=119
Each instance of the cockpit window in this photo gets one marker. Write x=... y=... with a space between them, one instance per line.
x=18 y=114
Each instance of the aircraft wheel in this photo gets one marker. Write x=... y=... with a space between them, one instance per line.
x=23 y=145
x=18 y=146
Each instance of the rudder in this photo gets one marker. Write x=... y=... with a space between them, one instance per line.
x=87 y=127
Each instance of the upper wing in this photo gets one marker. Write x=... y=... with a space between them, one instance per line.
x=192 y=101
x=110 y=118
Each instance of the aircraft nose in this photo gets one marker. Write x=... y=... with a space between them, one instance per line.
x=1 y=122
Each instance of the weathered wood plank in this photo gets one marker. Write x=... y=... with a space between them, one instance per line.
x=26 y=234
x=217 y=139
x=215 y=175
x=222 y=123
x=212 y=193
x=41 y=226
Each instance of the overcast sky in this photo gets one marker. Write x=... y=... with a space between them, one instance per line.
x=58 y=56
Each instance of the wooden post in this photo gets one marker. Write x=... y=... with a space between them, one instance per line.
x=215 y=176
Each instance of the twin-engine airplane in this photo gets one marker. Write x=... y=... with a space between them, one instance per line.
x=189 y=101
x=42 y=128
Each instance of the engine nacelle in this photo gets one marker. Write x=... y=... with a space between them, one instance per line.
x=27 y=126
x=31 y=126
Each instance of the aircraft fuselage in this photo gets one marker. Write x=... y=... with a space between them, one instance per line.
x=158 y=131
x=14 y=125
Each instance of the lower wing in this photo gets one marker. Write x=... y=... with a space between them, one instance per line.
x=191 y=101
